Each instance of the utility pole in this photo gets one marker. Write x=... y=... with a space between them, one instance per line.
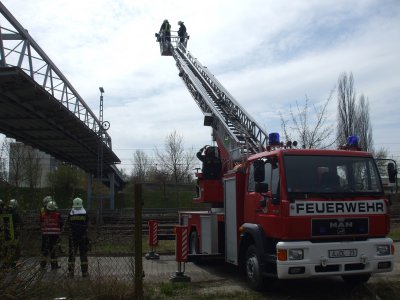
x=103 y=127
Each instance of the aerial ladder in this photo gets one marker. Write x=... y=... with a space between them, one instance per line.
x=236 y=133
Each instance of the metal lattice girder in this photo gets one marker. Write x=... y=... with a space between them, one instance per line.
x=39 y=107
x=230 y=119
x=18 y=49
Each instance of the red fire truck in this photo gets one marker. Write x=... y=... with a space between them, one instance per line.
x=278 y=211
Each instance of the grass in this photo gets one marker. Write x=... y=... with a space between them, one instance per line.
x=222 y=289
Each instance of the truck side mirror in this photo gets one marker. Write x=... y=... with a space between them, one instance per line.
x=392 y=172
x=259 y=171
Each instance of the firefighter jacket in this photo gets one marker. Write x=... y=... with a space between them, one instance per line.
x=165 y=27
x=212 y=165
x=78 y=223
x=182 y=31
x=51 y=223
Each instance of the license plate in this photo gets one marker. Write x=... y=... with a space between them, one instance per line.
x=342 y=253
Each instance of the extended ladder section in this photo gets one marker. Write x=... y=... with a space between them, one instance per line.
x=233 y=128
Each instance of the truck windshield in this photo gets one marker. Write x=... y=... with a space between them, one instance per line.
x=327 y=174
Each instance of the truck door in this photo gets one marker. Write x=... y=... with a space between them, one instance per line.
x=252 y=199
x=268 y=213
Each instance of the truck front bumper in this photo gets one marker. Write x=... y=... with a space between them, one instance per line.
x=335 y=258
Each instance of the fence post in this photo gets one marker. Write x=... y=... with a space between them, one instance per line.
x=138 y=242
x=153 y=240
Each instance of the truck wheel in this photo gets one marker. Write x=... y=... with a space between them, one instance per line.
x=253 y=269
x=356 y=279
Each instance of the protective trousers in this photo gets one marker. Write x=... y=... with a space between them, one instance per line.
x=49 y=247
x=76 y=243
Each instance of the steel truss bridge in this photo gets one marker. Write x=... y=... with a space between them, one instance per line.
x=40 y=107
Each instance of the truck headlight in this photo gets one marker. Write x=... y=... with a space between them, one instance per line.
x=382 y=250
x=296 y=254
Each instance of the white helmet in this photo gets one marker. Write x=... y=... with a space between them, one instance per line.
x=51 y=206
x=77 y=203
x=46 y=200
x=13 y=203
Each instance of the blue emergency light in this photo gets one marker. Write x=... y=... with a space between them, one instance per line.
x=352 y=141
x=273 y=139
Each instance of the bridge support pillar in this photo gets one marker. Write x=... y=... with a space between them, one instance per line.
x=111 y=177
x=89 y=190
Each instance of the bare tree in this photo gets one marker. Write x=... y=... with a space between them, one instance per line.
x=363 y=127
x=346 y=108
x=33 y=170
x=3 y=160
x=24 y=164
x=141 y=165
x=309 y=129
x=353 y=118
x=175 y=160
x=16 y=164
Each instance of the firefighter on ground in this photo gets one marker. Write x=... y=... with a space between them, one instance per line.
x=212 y=166
x=51 y=224
x=43 y=211
x=165 y=30
x=12 y=230
x=2 y=206
x=78 y=237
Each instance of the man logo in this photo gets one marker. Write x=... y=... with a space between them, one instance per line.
x=341 y=225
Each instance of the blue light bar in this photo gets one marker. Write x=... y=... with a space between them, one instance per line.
x=352 y=141
x=273 y=139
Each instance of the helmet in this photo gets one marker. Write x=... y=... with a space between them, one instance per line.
x=165 y=20
x=13 y=203
x=180 y=22
x=51 y=206
x=77 y=203
x=46 y=200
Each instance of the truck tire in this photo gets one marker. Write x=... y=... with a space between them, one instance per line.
x=253 y=269
x=356 y=279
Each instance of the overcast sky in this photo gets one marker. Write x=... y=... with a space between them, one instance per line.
x=267 y=53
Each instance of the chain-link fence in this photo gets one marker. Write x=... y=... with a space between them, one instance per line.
x=111 y=256
x=111 y=253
